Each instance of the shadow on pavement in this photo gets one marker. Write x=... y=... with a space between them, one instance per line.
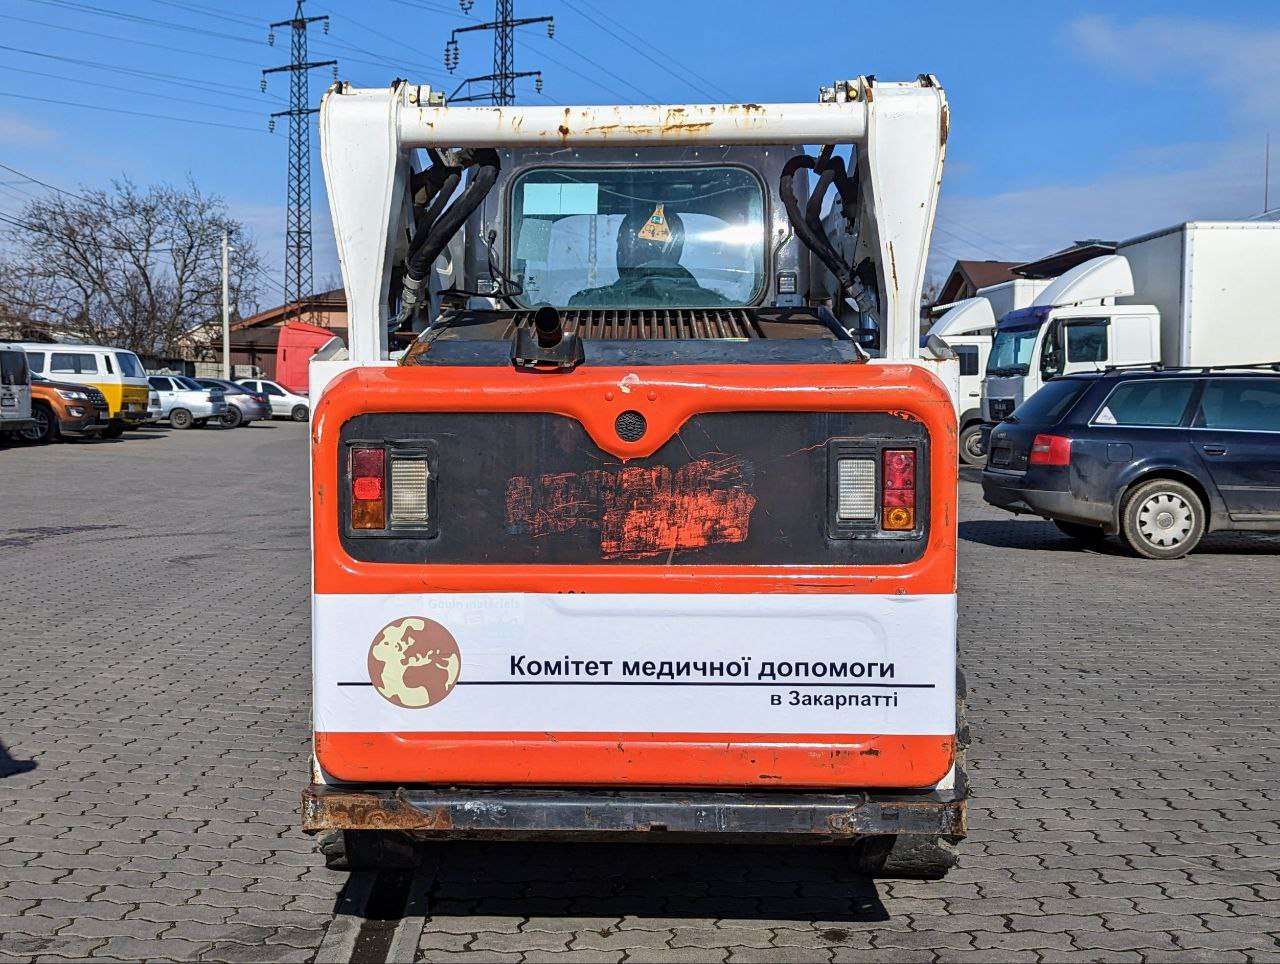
x=10 y=767
x=1027 y=534
x=652 y=881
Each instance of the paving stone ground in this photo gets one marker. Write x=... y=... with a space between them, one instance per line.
x=154 y=723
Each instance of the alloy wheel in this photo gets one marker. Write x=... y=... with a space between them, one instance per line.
x=34 y=433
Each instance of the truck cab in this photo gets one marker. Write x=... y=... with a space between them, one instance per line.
x=1073 y=325
x=966 y=328
x=620 y=531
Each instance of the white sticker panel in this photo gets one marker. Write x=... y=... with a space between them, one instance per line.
x=635 y=663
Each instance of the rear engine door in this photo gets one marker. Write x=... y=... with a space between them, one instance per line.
x=728 y=576
x=1236 y=434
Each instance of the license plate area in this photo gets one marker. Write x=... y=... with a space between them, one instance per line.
x=1001 y=455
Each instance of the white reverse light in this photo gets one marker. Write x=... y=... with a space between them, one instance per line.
x=855 y=490
x=409 y=479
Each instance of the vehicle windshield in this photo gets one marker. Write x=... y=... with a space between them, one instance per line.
x=13 y=368
x=130 y=366
x=1011 y=351
x=190 y=383
x=680 y=237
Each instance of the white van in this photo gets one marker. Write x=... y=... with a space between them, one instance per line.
x=15 y=389
x=116 y=372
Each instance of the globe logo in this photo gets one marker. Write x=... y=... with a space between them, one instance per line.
x=414 y=662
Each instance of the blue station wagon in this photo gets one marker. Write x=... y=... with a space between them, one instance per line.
x=1156 y=456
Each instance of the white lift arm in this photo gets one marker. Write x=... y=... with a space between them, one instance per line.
x=367 y=136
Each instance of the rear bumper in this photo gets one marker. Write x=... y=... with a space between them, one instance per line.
x=1008 y=490
x=591 y=814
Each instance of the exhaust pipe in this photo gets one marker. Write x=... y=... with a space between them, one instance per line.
x=546 y=322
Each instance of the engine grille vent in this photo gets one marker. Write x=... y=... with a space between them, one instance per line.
x=651 y=323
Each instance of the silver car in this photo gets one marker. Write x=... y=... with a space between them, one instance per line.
x=284 y=403
x=185 y=402
x=243 y=404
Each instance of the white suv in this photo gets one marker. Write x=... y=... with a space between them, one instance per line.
x=284 y=403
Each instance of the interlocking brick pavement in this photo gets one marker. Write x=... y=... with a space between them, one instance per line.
x=153 y=648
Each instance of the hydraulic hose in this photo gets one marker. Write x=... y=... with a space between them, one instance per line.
x=813 y=238
x=484 y=168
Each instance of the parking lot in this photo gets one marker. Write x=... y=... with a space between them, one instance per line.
x=154 y=726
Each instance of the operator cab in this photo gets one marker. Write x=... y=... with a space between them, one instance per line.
x=658 y=244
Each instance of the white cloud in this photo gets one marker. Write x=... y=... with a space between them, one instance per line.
x=1241 y=64
x=1155 y=187
x=14 y=131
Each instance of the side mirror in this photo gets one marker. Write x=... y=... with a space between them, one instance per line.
x=1051 y=363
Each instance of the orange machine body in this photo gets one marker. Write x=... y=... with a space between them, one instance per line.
x=408 y=746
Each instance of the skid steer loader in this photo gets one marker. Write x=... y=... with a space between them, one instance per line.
x=634 y=499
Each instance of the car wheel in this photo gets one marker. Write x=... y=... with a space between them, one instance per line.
x=233 y=418
x=45 y=429
x=299 y=413
x=180 y=418
x=972 y=451
x=114 y=429
x=1162 y=519
x=1089 y=535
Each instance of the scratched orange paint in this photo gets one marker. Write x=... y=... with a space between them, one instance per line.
x=640 y=511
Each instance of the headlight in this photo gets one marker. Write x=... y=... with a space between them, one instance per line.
x=73 y=396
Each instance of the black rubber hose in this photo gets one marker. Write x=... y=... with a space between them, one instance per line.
x=483 y=175
x=813 y=239
x=430 y=211
x=813 y=210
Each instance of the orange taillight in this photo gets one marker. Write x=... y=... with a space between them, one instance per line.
x=368 y=488
x=898 y=489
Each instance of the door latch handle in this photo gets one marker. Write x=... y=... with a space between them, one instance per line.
x=1215 y=450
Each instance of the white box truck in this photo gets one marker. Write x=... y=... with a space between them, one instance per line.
x=1196 y=294
x=967 y=327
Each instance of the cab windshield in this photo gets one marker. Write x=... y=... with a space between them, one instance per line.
x=1015 y=341
x=679 y=237
x=130 y=366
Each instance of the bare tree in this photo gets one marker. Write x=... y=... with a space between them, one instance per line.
x=130 y=267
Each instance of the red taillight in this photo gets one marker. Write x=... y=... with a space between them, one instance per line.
x=368 y=489
x=1050 y=450
x=898 y=490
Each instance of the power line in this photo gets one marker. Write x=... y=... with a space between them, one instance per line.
x=648 y=54
x=81 y=240
x=132 y=113
x=128 y=40
x=35 y=180
x=147 y=21
x=962 y=240
x=974 y=231
x=131 y=71
x=132 y=90
x=710 y=86
x=208 y=12
x=600 y=67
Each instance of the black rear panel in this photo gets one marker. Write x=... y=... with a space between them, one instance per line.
x=738 y=488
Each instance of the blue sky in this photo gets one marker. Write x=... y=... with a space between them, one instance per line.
x=1068 y=121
